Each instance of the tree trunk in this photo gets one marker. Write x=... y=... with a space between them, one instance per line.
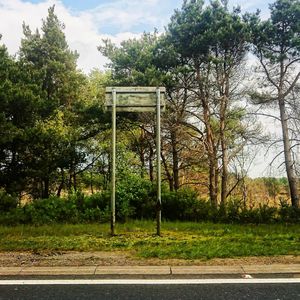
x=61 y=185
x=244 y=192
x=151 y=169
x=213 y=181
x=45 y=194
x=224 y=180
x=169 y=176
x=91 y=183
x=142 y=151
x=209 y=139
x=289 y=164
x=175 y=160
x=213 y=160
x=142 y=159
x=75 y=181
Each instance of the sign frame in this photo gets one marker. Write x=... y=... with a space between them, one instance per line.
x=135 y=99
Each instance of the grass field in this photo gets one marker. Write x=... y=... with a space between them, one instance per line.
x=178 y=240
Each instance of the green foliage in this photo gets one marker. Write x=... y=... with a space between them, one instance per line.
x=197 y=31
x=273 y=186
x=52 y=142
x=17 y=116
x=47 y=57
x=184 y=205
x=277 y=38
x=7 y=202
x=289 y=214
x=132 y=63
x=236 y=212
x=135 y=198
x=55 y=127
x=51 y=210
x=77 y=208
x=49 y=113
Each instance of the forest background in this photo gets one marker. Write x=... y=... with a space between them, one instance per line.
x=55 y=133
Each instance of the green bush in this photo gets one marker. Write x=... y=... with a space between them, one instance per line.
x=249 y=215
x=7 y=201
x=267 y=214
x=184 y=205
x=135 y=198
x=98 y=200
x=288 y=214
x=96 y=207
x=51 y=210
x=13 y=217
x=75 y=208
x=231 y=212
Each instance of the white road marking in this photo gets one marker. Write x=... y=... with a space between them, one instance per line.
x=146 y=281
x=247 y=276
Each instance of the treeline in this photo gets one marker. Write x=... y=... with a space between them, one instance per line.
x=55 y=134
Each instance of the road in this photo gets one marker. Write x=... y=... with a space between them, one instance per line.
x=145 y=289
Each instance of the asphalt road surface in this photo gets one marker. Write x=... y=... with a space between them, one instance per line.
x=211 y=291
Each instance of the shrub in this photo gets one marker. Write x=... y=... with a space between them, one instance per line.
x=288 y=214
x=267 y=214
x=96 y=207
x=51 y=210
x=249 y=215
x=98 y=200
x=13 y=217
x=184 y=205
x=7 y=201
x=135 y=198
x=231 y=212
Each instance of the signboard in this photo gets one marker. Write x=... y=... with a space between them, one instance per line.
x=135 y=99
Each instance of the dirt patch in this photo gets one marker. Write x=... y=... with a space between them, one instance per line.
x=100 y=258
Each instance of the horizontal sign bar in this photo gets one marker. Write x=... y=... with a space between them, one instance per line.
x=135 y=99
x=135 y=89
x=135 y=109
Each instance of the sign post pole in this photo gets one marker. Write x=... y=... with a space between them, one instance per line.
x=113 y=164
x=135 y=99
x=158 y=167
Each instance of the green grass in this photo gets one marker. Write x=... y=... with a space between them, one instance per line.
x=179 y=239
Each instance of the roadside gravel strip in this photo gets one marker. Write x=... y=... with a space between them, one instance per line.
x=100 y=265
x=243 y=271
x=123 y=258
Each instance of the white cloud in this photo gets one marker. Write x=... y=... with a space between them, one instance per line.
x=124 y=14
x=117 y=20
x=12 y=14
x=81 y=29
x=253 y=5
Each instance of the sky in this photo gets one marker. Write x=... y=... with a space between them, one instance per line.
x=88 y=22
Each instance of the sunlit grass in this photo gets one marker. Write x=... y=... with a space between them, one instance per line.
x=179 y=239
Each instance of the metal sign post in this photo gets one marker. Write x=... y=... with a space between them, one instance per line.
x=135 y=99
x=158 y=163
x=113 y=163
